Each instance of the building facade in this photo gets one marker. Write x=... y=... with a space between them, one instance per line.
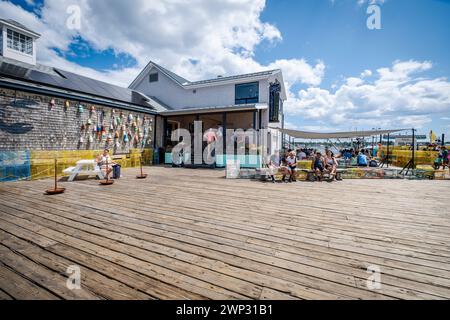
x=43 y=108
x=248 y=101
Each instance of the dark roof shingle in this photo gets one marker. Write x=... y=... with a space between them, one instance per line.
x=70 y=81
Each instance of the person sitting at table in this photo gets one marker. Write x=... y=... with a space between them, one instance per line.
x=104 y=159
x=301 y=155
x=438 y=162
x=274 y=164
x=347 y=155
x=291 y=162
x=363 y=159
x=318 y=166
x=284 y=170
x=445 y=158
x=331 y=164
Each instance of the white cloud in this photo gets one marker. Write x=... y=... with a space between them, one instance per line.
x=402 y=70
x=398 y=97
x=300 y=71
x=204 y=38
x=366 y=73
x=220 y=36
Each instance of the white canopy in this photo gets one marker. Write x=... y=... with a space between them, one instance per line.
x=336 y=135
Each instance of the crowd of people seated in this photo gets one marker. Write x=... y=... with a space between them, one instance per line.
x=286 y=165
x=321 y=164
x=324 y=163
x=361 y=158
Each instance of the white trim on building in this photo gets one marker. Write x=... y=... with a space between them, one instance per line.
x=18 y=42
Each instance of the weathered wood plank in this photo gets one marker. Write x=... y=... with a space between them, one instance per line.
x=16 y=286
x=191 y=234
x=97 y=283
x=234 y=259
x=4 y=296
x=51 y=280
x=206 y=289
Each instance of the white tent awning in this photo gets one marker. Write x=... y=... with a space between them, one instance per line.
x=336 y=135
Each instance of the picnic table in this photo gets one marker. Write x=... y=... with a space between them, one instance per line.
x=84 y=167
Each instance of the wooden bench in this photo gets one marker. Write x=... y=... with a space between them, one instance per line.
x=311 y=175
x=120 y=156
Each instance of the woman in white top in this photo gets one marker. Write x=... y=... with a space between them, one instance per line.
x=104 y=159
x=273 y=162
x=291 y=161
x=331 y=164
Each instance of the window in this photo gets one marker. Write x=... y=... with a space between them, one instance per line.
x=275 y=103
x=247 y=93
x=19 y=42
x=153 y=77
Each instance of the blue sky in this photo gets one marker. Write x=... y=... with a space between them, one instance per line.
x=340 y=75
x=336 y=33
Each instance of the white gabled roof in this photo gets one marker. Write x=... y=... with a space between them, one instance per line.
x=186 y=84
x=18 y=26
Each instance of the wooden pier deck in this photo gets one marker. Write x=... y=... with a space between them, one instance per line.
x=191 y=234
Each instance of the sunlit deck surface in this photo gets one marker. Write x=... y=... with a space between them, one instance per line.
x=191 y=234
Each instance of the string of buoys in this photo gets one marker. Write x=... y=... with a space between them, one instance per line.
x=123 y=128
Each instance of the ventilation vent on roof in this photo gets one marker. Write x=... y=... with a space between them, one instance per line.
x=59 y=73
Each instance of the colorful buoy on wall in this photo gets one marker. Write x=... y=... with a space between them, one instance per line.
x=52 y=103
